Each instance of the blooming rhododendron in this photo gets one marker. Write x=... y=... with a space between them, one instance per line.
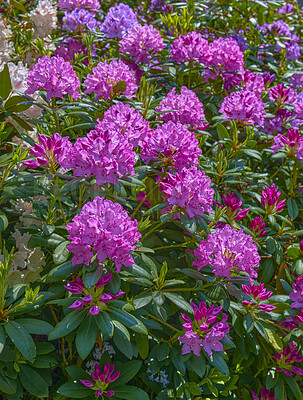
x=92 y=5
x=259 y=294
x=55 y=76
x=173 y=144
x=204 y=330
x=287 y=358
x=106 y=76
x=142 y=42
x=191 y=47
x=189 y=189
x=189 y=109
x=269 y=199
x=79 y=20
x=293 y=143
x=118 y=20
x=297 y=295
x=103 y=228
x=228 y=250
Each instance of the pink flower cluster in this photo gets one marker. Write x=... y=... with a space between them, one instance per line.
x=270 y=200
x=105 y=76
x=103 y=153
x=297 y=295
x=123 y=118
x=55 y=76
x=105 y=229
x=94 y=298
x=282 y=95
x=189 y=109
x=69 y=47
x=118 y=20
x=243 y=106
x=204 y=330
x=171 y=144
x=51 y=151
x=228 y=250
x=79 y=20
x=92 y=5
x=259 y=294
x=142 y=42
x=292 y=142
x=189 y=189
x=286 y=359
x=190 y=47
x=102 y=379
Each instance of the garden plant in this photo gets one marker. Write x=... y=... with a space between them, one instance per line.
x=151 y=200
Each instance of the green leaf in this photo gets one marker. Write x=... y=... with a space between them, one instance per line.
x=176 y=360
x=86 y=336
x=74 y=390
x=7 y=385
x=121 y=329
x=143 y=345
x=248 y=323
x=68 y=324
x=292 y=208
x=61 y=253
x=129 y=371
x=274 y=340
x=2 y=338
x=198 y=364
x=188 y=223
x=222 y=132
x=77 y=372
x=294 y=387
x=130 y=393
x=280 y=389
x=163 y=351
x=124 y=345
x=36 y=326
x=117 y=89
x=21 y=339
x=218 y=362
x=13 y=104
x=105 y=325
x=32 y=381
x=179 y=301
x=3 y=222
x=5 y=83
x=128 y=320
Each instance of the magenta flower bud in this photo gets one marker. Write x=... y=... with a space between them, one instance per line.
x=257 y=227
x=31 y=163
x=266 y=307
x=301 y=245
x=116 y=296
x=99 y=392
x=241 y=214
x=268 y=77
x=106 y=297
x=282 y=95
x=87 y=299
x=104 y=280
x=232 y=202
x=110 y=393
x=297 y=370
x=300 y=317
x=269 y=200
x=77 y=305
x=287 y=358
x=87 y=383
x=94 y=310
x=75 y=287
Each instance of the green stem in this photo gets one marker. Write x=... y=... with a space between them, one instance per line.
x=152 y=230
x=152 y=190
x=53 y=106
x=164 y=323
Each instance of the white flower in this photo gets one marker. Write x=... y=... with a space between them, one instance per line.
x=6 y=45
x=44 y=17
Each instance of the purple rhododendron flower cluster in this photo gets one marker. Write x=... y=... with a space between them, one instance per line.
x=93 y=298
x=204 y=330
x=103 y=228
x=189 y=109
x=282 y=95
x=189 y=189
x=92 y=5
x=142 y=42
x=292 y=143
x=51 y=151
x=287 y=358
x=69 y=47
x=228 y=250
x=191 y=47
x=106 y=75
x=79 y=20
x=259 y=294
x=245 y=107
x=270 y=200
x=103 y=153
x=171 y=144
x=297 y=295
x=225 y=55
x=102 y=380
x=55 y=76
x=118 y=20
x=127 y=121
x=257 y=227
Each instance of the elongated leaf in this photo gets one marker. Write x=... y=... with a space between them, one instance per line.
x=292 y=208
x=7 y=385
x=33 y=382
x=130 y=393
x=129 y=370
x=124 y=345
x=21 y=339
x=86 y=336
x=68 y=324
x=5 y=83
x=36 y=326
x=128 y=320
x=179 y=301
x=2 y=338
x=218 y=362
x=74 y=390
x=175 y=357
x=3 y=222
x=105 y=325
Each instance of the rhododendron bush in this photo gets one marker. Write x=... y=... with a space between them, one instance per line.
x=151 y=192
